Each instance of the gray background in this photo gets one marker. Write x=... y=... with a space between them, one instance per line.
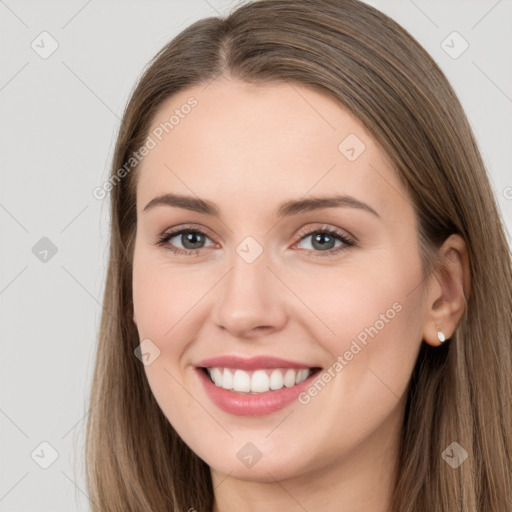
x=59 y=119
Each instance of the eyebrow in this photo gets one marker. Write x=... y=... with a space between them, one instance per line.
x=286 y=209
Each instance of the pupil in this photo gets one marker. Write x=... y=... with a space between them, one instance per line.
x=320 y=239
x=193 y=239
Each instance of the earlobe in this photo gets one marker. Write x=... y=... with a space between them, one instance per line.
x=448 y=292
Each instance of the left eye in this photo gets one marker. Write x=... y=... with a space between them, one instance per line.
x=322 y=240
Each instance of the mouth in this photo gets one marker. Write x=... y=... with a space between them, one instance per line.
x=262 y=380
x=255 y=386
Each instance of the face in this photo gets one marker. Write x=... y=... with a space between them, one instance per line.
x=290 y=272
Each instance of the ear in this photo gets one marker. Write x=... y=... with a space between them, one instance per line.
x=449 y=288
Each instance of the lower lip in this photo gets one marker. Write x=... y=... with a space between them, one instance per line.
x=247 y=404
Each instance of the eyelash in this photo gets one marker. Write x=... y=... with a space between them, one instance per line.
x=347 y=241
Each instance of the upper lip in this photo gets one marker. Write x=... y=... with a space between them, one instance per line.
x=252 y=363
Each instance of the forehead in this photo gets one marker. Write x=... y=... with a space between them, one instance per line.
x=231 y=142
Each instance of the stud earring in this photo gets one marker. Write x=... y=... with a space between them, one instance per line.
x=440 y=336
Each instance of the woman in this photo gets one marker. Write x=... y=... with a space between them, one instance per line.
x=308 y=302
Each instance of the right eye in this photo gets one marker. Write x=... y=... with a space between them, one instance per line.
x=191 y=241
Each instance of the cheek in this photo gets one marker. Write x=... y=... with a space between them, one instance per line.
x=368 y=317
x=165 y=297
x=361 y=299
x=375 y=338
x=165 y=301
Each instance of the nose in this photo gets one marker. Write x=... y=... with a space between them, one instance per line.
x=250 y=300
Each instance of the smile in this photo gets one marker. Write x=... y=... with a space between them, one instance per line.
x=254 y=386
x=258 y=381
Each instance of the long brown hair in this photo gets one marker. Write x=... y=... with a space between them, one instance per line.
x=460 y=392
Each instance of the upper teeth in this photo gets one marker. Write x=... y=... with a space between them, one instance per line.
x=259 y=381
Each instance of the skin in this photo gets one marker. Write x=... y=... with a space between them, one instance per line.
x=249 y=148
